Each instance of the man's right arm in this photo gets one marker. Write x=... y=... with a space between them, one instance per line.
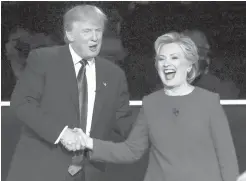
x=26 y=98
x=61 y=135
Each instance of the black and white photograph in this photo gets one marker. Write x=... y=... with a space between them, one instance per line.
x=123 y=90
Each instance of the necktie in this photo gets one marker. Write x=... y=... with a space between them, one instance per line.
x=83 y=95
x=78 y=158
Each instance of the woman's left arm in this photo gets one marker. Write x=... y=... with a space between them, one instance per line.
x=128 y=151
x=223 y=141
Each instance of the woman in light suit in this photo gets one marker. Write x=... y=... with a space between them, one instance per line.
x=185 y=126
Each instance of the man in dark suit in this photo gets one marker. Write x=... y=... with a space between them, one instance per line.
x=63 y=88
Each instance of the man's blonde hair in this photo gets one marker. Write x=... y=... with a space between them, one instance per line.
x=83 y=13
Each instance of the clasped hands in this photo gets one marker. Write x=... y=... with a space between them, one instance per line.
x=74 y=139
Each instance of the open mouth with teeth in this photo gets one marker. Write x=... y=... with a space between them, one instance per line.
x=169 y=73
x=93 y=48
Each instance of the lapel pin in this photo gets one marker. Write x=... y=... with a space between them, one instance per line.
x=105 y=84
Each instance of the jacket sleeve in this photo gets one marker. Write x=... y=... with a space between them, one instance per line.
x=125 y=152
x=26 y=99
x=223 y=141
x=124 y=120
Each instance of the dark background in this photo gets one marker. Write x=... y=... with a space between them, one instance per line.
x=223 y=22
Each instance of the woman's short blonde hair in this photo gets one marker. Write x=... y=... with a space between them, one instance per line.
x=187 y=46
x=202 y=43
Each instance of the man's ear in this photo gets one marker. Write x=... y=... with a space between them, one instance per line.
x=69 y=36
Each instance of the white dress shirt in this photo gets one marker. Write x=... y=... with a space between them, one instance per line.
x=91 y=87
x=242 y=177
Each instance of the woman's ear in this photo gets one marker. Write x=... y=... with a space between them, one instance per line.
x=189 y=68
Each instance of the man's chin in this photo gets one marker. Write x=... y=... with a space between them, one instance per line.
x=93 y=54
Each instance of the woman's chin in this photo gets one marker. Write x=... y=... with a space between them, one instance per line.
x=168 y=83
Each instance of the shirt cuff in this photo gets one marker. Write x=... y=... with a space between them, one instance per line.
x=58 y=139
x=89 y=143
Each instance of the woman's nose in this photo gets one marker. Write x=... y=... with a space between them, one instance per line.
x=167 y=62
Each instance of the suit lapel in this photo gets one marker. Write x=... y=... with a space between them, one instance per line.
x=101 y=84
x=69 y=77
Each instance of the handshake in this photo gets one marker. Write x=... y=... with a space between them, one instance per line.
x=75 y=140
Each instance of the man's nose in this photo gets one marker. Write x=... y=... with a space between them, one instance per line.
x=94 y=36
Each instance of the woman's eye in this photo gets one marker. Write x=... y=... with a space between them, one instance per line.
x=159 y=59
x=174 y=57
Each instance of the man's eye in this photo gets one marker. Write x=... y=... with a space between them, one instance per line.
x=86 y=31
x=174 y=57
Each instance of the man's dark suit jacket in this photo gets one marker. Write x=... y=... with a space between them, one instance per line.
x=46 y=100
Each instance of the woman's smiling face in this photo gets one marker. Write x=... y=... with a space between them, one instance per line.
x=172 y=65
